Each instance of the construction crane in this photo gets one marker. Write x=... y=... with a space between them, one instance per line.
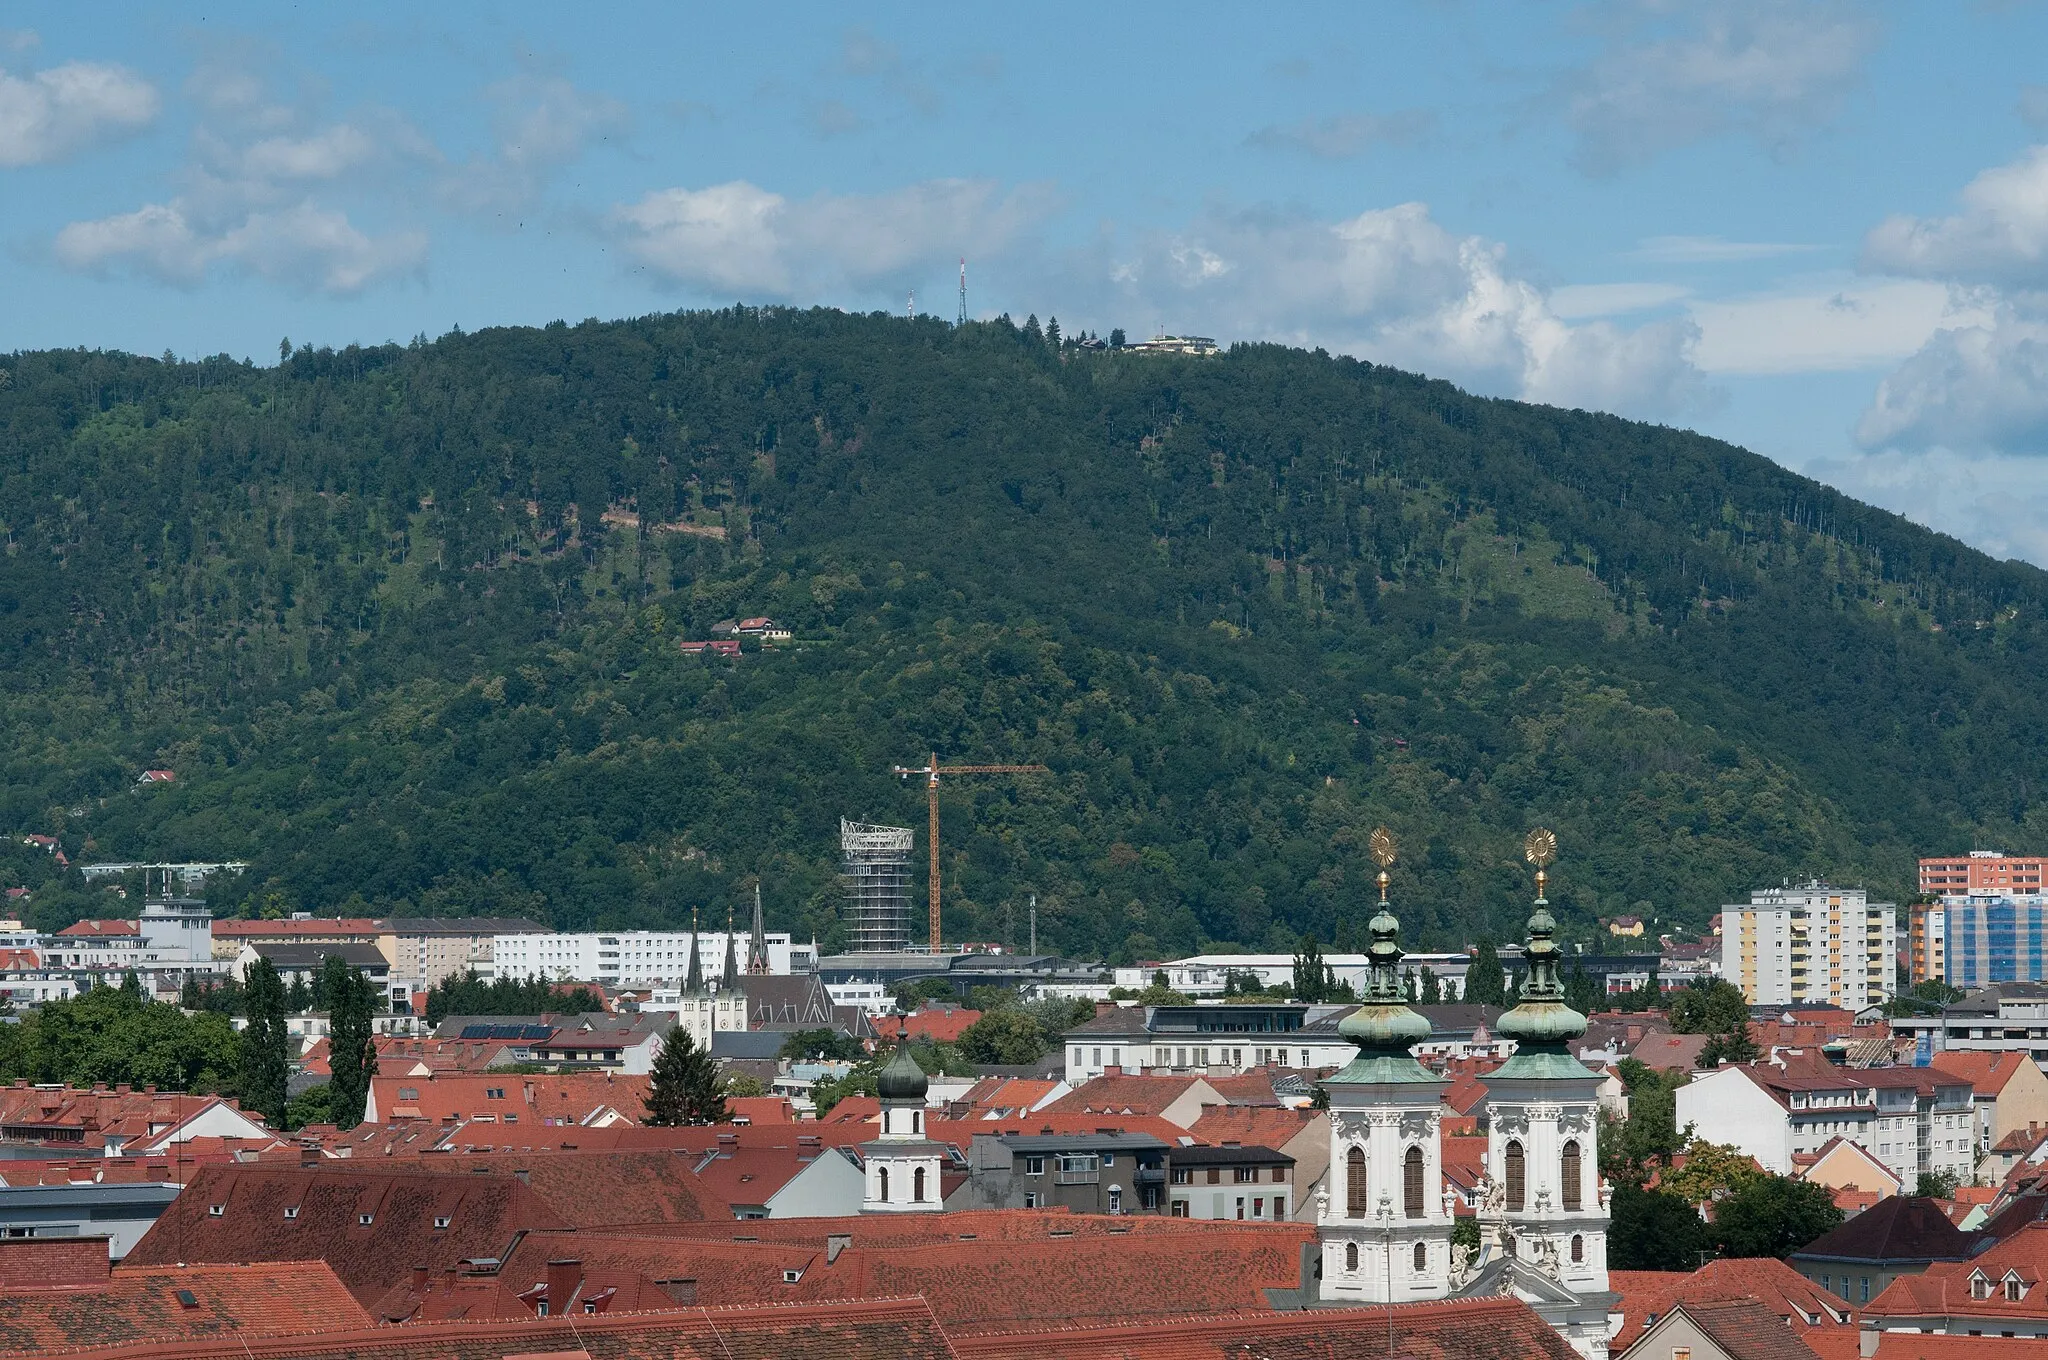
x=931 y=770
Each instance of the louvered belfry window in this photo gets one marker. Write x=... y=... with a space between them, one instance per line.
x=1517 y=1179
x=1354 y=1183
x=1411 y=1183
x=1569 y=1169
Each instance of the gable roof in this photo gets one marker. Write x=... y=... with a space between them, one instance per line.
x=1790 y=1298
x=1943 y=1290
x=95 y=928
x=1125 y=1095
x=1275 y=1126
x=1987 y=1073
x=1899 y=1228
x=1744 y=1330
x=141 y=1306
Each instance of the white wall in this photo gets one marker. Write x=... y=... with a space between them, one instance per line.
x=1725 y=1106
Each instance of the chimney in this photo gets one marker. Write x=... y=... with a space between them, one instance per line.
x=1866 y=1340
x=1103 y=1008
x=836 y=1243
x=419 y=1279
x=45 y=1262
x=563 y=1278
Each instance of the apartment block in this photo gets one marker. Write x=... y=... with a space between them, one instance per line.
x=1926 y=941
x=1987 y=939
x=1985 y=872
x=1814 y=944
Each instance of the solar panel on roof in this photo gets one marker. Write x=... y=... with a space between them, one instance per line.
x=476 y=1031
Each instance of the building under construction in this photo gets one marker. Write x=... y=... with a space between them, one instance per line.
x=877 y=877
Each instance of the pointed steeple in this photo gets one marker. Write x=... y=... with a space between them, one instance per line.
x=1384 y=1029
x=693 y=982
x=757 y=944
x=1541 y=1024
x=731 y=975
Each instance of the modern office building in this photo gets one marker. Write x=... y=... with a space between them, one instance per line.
x=1813 y=944
x=1982 y=872
x=1983 y=939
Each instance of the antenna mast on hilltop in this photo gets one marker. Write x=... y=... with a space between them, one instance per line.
x=910 y=308
x=963 y=291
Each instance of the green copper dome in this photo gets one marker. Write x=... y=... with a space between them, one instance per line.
x=1383 y=1028
x=1542 y=1025
x=901 y=1078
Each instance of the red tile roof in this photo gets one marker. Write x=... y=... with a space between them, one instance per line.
x=940 y=1022
x=1274 y=1126
x=1783 y=1291
x=1122 y=1095
x=1944 y=1289
x=450 y=1097
x=1743 y=1329
x=1468 y=1329
x=1248 y=1088
x=1007 y=1093
x=99 y=929
x=1906 y=1346
x=142 y=1306
x=761 y=1109
x=123 y=1113
x=313 y=928
x=1987 y=1073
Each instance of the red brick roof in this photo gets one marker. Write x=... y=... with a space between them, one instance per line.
x=119 y=1112
x=313 y=928
x=1275 y=1126
x=1007 y=1093
x=1987 y=1073
x=1783 y=1291
x=1944 y=1289
x=1468 y=1329
x=761 y=1109
x=139 y=1306
x=450 y=1097
x=854 y=1110
x=1122 y=1095
x=940 y=1022
x=1249 y=1088
x=95 y=928
x=1743 y=1329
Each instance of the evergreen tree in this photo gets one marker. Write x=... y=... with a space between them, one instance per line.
x=1484 y=981
x=265 y=1065
x=351 y=1043
x=1031 y=331
x=1582 y=992
x=1116 y=337
x=1311 y=975
x=685 y=1087
x=131 y=987
x=1052 y=331
x=298 y=998
x=1432 y=990
x=1411 y=987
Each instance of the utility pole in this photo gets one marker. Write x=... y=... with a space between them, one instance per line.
x=931 y=770
x=1034 y=925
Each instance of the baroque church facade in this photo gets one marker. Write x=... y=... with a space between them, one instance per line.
x=1385 y=1222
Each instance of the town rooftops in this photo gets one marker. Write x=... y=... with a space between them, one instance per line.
x=2006 y=1281
x=297 y=958
x=1797 y=1302
x=1743 y=1329
x=1902 y=1228
x=99 y=929
x=315 y=926
x=1229 y=1154
x=1987 y=1073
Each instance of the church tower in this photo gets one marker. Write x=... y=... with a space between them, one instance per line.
x=1382 y=1222
x=902 y=1165
x=1544 y=1222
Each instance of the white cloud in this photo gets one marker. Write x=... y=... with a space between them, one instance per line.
x=740 y=238
x=1711 y=250
x=1346 y=135
x=1995 y=502
x=1577 y=300
x=53 y=113
x=317 y=249
x=541 y=123
x=1393 y=285
x=1673 y=74
x=2000 y=237
x=325 y=154
x=1840 y=325
x=1975 y=388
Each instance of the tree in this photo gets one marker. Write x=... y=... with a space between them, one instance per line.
x=1031 y=331
x=131 y=986
x=829 y=1091
x=684 y=1085
x=1937 y=1185
x=821 y=1045
x=1649 y=1138
x=1582 y=991
x=1712 y=1172
x=1007 y=1038
x=1710 y=1006
x=1052 y=331
x=266 y=1052
x=314 y=1105
x=1736 y=1045
x=352 y=1043
x=1312 y=977
x=1485 y=984
x=1432 y=990
x=741 y=1086
x=1651 y=1230
x=1773 y=1216
x=1116 y=337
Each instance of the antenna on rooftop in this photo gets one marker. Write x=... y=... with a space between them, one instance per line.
x=963 y=291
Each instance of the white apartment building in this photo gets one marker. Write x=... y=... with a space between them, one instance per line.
x=1913 y=1119
x=1815 y=944
x=624 y=957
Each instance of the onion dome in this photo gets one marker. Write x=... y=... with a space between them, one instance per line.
x=901 y=1078
x=1383 y=1028
x=1542 y=1024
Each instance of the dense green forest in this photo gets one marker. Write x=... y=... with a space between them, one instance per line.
x=404 y=622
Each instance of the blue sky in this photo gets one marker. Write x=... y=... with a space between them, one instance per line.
x=1819 y=230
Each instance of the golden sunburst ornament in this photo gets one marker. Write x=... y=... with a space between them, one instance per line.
x=1540 y=847
x=1382 y=846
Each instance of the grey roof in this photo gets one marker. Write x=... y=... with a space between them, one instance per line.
x=747 y=1043
x=1901 y=1228
x=463 y=925
x=451 y=1026
x=1227 y=1155
x=799 y=1001
x=1110 y=1141
x=1459 y=1019
x=1124 y=1021
x=301 y=957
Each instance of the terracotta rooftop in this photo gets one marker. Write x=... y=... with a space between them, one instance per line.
x=1899 y=1228
x=1788 y=1296
x=941 y=1022
x=1944 y=1289
x=1275 y=1126
x=1744 y=1329
x=450 y=1097
x=1987 y=1073
x=1123 y=1095
x=91 y=929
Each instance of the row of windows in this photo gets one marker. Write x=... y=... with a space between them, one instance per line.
x=291 y=1215
x=1357 y=1193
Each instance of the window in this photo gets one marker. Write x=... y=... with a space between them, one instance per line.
x=882 y=1181
x=1116 y=1198
x=1411 y=1183
x=1031 y=1201
x=1183 y=1175
x=1279 y=1175
x=365 y=1220
x=1279 y=1206
x=1240 y=1206
x=2012 y=1289
x=1578 y=1249
x=1034 y=1166
x=1517 y=1180
x=1097 y=1054
x=1354 y=1183
x=1180 y=1208
x=791 y=1276
x=1569 y=1171
x=1215 y=1175
x=216 y=1210
x=494 y=1093
x=292 y=1212
x=1980 y=1288
x=917 y=1186
x=1681 y=1353
x=1258 y=1206
x=590 y=1305
x=1109 y=1159
x=1351 y=1256
x=1421 y=1257
x=1244 y=1175
x=408 y=1093
x=187 y=1299
x=1866 y=1289
x=441 y=1220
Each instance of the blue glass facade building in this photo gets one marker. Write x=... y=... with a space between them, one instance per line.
x=1994 y=939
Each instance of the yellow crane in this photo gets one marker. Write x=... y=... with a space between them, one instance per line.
x=931 y=770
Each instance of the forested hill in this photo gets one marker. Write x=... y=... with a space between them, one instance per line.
x=404 y=622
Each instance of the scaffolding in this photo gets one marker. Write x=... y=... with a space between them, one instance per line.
x=877 y=878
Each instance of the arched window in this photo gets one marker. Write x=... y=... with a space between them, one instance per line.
x=1569 y=1169
x=1421 y=1258
x=1517 y=1180
x=883 y=1172
x=917 y=1121
x=1354 y=1183
x=1351 y=1256
x=917 y=1185
x=1578 y=1249
x=1411 y=1183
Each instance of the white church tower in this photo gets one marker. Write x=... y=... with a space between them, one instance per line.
x=1544 y=1221
x=1383 y=1222
x=902 y=1165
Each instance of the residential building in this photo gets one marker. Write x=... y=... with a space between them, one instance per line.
x=1231 y=1181
x=509 y=1101
x=1174 y=344
x=230 y=936
x=1303 y=1135
x=1988 y=872
x=797 y=1176
x=1915 y=1120
x=113 y=1216
x=2007 y=1089
x=114 y=1121
x=2002 y=1017
x=428 y=950
x=1106 y=1172
x=2000 y=1292
x=600 y=1040
x=303 y=963
x=1812 y=943
x=626 y=957
x=1179 y=1100
x=1843 y=1165
x=1903 y=1235
x=1926 y=942
x=1987 y=939
x=1728 y=1329
x=1799 y=1308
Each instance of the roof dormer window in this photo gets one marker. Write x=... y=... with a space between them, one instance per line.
x=2015 y=1287
x=1980 y=1288
x=292 y=1212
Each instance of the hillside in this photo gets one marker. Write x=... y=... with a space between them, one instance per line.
x=404 y=622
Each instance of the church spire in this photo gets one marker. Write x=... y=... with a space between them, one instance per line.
x=1541 y=1023
x=731 y=976
x=693 y=982
x=757 y=943
x=1384 y=1029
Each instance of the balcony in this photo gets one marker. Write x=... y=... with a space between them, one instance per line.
x=1077 y=1177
